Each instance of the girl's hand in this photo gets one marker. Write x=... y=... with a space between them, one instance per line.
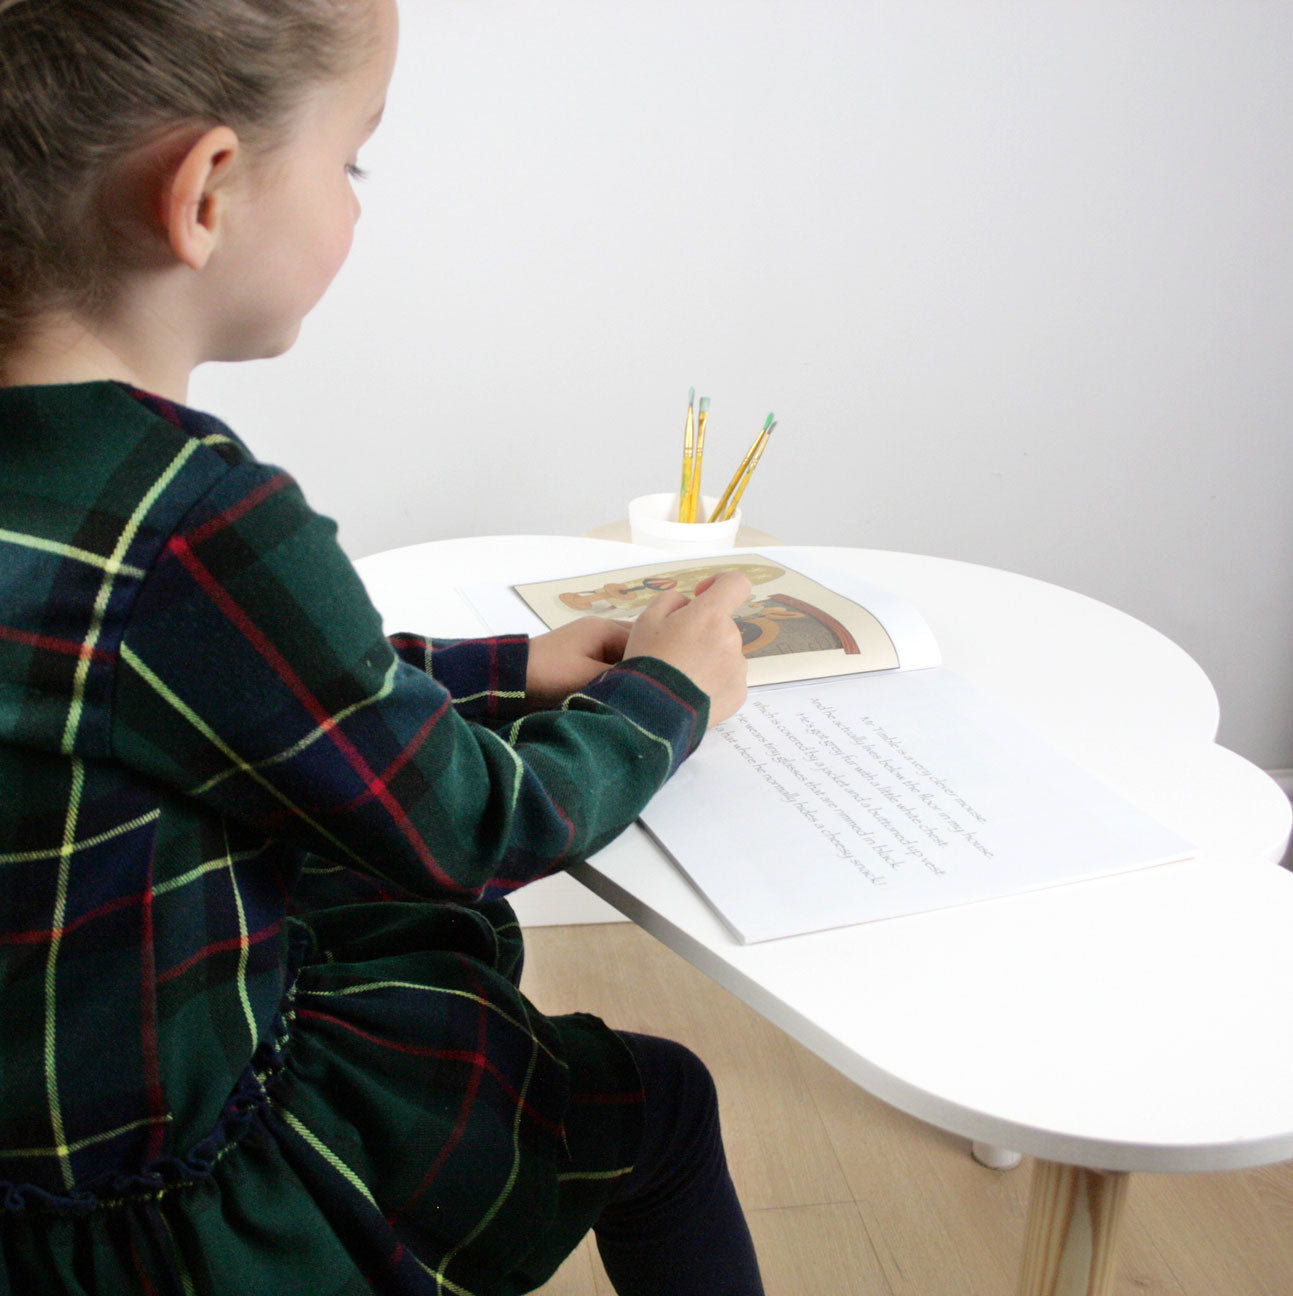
x=562 y=661
x=699 y=637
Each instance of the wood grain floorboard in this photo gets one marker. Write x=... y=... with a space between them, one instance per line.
x=849 y=1197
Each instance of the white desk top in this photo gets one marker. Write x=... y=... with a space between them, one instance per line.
x=1142 y=1022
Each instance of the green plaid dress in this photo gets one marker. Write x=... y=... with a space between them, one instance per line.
x=259 y=1024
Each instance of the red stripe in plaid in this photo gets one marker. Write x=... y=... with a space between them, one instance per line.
x=234 y=512
x=220 y=947
x=69 y=647
x=410 y=750
x=146 y=1286
x=461 y=1121
x=661 y=688
x=472 y=1056
x=43 y=935
x=252 y=633
x=158 y=404
x=157 y=1107
x=493 y=679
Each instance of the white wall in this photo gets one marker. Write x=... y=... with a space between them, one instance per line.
x=1017 y=279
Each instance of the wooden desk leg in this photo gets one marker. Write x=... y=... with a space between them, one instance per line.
x=1071 y=1243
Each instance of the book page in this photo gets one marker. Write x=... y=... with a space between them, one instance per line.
x=858 y=799
x=801 y=621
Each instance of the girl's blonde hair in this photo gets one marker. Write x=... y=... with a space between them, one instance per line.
x=83 y=83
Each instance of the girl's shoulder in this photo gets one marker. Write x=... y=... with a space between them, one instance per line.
x=93 y=417
x=95 y=480
x=86 y=429
x=97 y=461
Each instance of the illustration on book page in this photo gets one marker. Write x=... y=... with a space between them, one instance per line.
x=792 y=627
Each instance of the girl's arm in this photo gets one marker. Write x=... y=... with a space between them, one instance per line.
x=255 y=678
x=497 y=679
x=485 y=677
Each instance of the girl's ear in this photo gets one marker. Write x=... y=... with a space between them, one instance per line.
x=193 y=205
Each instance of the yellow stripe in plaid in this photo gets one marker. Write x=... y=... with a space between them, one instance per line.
x=313 y=736
x=485 y=1220
x=442 y=1282
x=209 y=866
x=512 y=695
x=63 y=1149
x=177 y=1257
x=109 y=564
x=51 y=966
x=86 y=843
x=244 y=944
x=124 y=541
x=325 y=1152
x=128 y=656
x=655 y=737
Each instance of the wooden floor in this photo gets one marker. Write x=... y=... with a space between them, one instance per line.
x=848 y=1197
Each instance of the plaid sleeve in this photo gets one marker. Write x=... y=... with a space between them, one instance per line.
x=254 y=677
x=485 y=677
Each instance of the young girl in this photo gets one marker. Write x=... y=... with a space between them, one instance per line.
x=259 y=1023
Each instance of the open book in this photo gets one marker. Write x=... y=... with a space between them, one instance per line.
x=861 y=780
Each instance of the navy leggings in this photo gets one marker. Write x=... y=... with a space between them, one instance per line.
x=675 y=1227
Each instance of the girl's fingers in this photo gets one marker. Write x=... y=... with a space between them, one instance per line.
x=725 y=592
x=663 y=605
